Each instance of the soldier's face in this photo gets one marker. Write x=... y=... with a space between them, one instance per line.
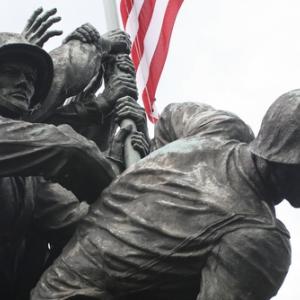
x=17 y=81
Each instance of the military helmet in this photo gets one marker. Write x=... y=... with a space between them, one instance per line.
x=13 y=45
x=279 y=137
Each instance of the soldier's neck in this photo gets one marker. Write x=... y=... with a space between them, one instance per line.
x=272 y=186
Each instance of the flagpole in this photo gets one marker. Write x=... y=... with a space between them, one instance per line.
x=111 y=14
x=112 y=22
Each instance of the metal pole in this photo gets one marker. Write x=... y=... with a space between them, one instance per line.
x=111 y=14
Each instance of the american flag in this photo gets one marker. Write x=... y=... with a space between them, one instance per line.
x=150 y=24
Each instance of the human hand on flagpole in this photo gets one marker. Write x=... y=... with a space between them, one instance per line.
x=140 y=143
x=36 y=30
x=116 y=149
x=119 y=86
x=86 y=33
x=117 y=41
x=119 y=68
x=125 y=64
x=116 y=152
x=128 y=108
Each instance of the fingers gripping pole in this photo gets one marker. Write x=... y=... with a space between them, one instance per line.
x=131 y=156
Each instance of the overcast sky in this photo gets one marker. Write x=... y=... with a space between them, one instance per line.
x=238 y=55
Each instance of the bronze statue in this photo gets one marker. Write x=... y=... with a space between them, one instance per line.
x=35 y=157
x=92 y=116
x=195 y=219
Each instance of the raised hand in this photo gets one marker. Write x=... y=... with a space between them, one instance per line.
x=36 y=29
x=86 y=33
x=117 y=41
x=125 y=64
x=116 y=149
x=128 y=108
x=118 y=87
x=140 y=143
x=137 y=140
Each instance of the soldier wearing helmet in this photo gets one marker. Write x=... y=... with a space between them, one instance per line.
x=195 y=219
x=31 y=152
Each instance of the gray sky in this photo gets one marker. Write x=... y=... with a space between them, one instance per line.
x=232 y=54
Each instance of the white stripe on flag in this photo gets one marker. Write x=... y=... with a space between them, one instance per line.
x=132 y=24
x=150 y=43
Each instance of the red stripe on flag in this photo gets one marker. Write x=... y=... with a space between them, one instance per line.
x=148 y=105
x=144 y=21
x=159 y=57
x=125 y=8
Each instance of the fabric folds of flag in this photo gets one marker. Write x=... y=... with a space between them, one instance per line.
x=150 y=24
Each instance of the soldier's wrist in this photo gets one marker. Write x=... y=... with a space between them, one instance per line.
x=103 y=104
x=105 y=45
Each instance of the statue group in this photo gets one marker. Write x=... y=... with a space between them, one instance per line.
x=90 y=211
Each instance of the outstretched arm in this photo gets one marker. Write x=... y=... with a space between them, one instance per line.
x=76 y=63
x=87 y=109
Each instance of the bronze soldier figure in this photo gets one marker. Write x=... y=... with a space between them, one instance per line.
x=195 y=219
x=28 y=149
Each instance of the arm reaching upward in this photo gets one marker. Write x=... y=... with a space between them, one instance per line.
x=76 y=62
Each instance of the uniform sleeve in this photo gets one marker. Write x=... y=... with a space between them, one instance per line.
x=57 y=210
x=56 y=215
x=180 y=120
x=75 y=64
x=57 y=153
x=82 y=111
x=77 y=115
